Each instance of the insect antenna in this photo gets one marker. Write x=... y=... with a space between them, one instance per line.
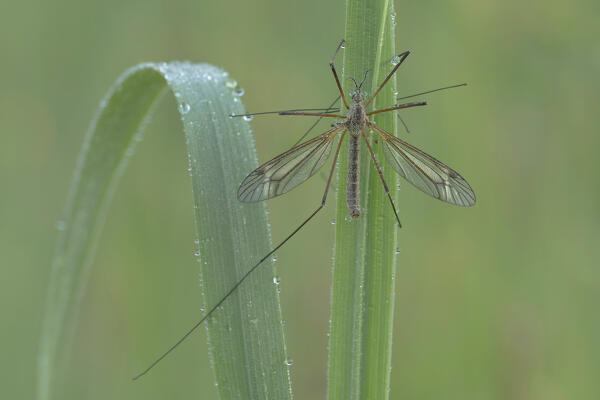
x=364 y=79
x=353 y=80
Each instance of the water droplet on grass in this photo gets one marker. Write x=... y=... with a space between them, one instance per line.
x=184 y=108
x=239 y=91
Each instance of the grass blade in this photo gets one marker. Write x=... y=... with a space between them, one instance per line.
x=363 y=278
x=245 y=336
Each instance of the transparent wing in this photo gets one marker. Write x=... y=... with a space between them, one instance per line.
x=287 y=170
x=425 y=172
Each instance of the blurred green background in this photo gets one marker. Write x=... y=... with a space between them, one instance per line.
x=499 y=301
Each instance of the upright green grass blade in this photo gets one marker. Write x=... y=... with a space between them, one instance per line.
x=245 y=334
x=363 y=277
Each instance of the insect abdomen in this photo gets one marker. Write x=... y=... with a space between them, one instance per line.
x=352 y=186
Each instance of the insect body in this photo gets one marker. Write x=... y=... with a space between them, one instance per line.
x=356 y=120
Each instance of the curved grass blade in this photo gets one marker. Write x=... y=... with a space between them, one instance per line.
x=246 y=335
x=363 y=275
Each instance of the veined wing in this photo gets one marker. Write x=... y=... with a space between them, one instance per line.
x=425 y=172
x=287 y=170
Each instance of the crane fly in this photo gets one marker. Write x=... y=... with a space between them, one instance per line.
x=289 y=169
x=293 y=167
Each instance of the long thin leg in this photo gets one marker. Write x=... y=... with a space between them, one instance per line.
x=337 y=80
x=403 y=124
x=402 y=58
x=431 y=91
x=247 y=274
x=399 y=107
x=310 y=114
x=279 y=111
x=385 y=186
x=315 y=123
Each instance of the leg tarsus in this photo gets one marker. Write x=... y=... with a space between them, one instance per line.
x=402 y=57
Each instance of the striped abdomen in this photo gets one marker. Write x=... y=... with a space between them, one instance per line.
x=352 y=186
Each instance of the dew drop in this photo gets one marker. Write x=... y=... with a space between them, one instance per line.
x=248 y=117
x=289 y=361
x=397 y=251
x=395 y=60
x=232 y=84
x=333 y=221
x=276 y=280
x=239 y=91
x=348 y=218
x=184 y=108
x=274 y=259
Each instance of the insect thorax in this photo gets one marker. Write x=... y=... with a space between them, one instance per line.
x=356 y=119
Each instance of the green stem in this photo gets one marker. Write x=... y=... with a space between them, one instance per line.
x=363 y=278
